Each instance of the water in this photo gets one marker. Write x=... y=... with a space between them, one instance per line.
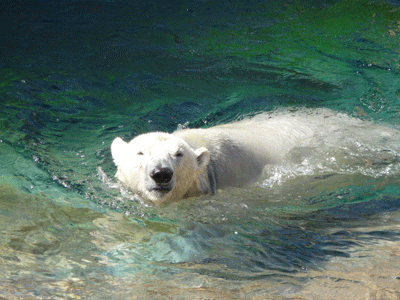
x=76 y=74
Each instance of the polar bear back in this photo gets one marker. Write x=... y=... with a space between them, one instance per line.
x=240 y=151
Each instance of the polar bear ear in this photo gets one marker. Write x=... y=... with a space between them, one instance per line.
x=118 y=151
x=202 y=157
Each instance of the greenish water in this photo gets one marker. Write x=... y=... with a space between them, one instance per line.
x=76 y=74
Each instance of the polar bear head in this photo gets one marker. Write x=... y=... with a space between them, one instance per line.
x=158 y=166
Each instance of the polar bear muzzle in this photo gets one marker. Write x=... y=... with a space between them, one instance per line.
x=161 y=175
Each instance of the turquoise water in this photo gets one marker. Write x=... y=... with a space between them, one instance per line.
x=76 y=74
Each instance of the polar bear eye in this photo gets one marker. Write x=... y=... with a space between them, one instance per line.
x=140 y=153
x=178 y=154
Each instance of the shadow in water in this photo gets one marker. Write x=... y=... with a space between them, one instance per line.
x=252 y=249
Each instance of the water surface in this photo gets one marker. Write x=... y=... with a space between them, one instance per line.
x=76 y=74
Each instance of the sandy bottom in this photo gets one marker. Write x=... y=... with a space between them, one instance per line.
x=52 y=251
x=370 y=273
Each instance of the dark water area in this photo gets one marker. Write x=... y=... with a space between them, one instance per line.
x=76 y=74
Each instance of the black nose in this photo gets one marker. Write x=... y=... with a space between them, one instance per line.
x=162 y=175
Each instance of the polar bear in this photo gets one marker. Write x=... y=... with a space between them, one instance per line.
x=161 y=167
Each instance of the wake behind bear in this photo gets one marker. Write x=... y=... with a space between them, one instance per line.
x=162 y=167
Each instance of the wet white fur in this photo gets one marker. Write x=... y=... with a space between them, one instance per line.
x=226 y=155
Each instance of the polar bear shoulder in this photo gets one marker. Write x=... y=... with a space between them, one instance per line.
x=239 y=151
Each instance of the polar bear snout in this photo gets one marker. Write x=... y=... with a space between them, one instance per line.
x=161 y=175
x=160 y=181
